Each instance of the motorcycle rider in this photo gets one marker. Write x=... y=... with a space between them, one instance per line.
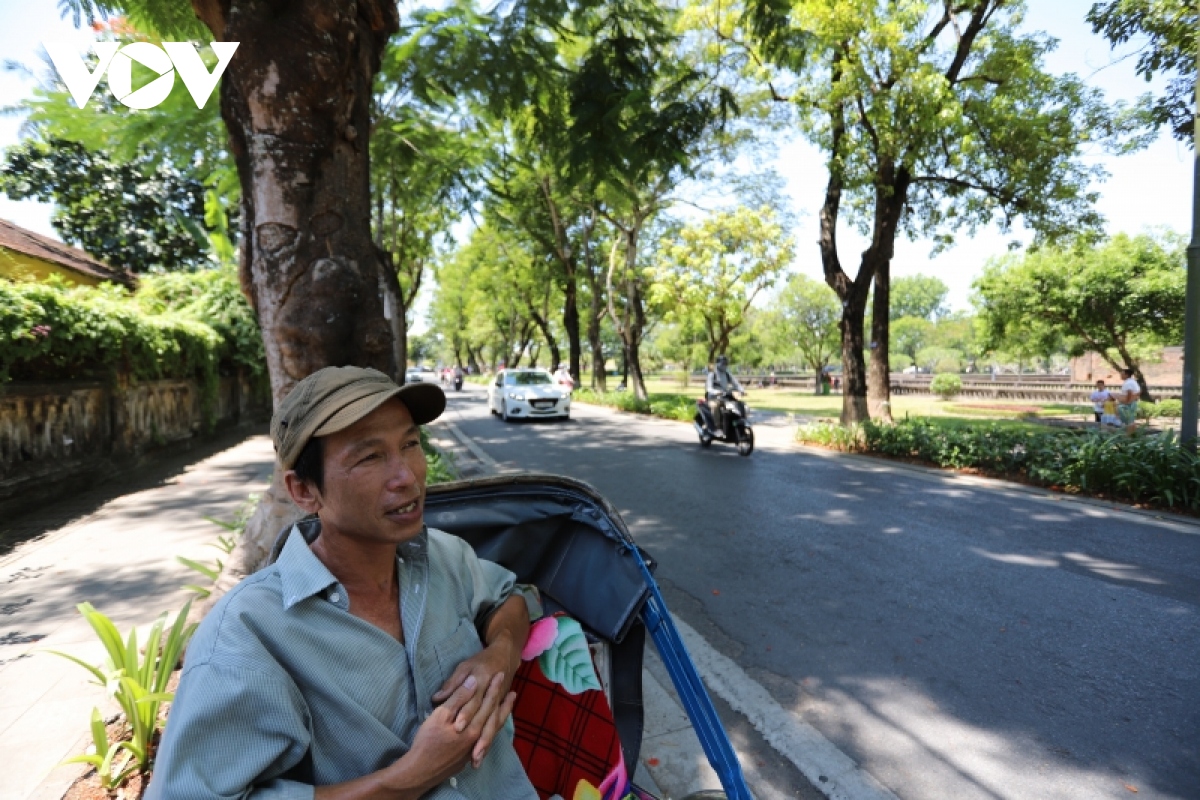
x=719 y=383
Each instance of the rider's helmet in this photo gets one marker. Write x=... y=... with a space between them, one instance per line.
x=722 y=363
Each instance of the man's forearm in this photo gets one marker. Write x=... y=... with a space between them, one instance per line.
x=509 y=627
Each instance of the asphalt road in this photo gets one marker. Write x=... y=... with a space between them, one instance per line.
x=956 y=638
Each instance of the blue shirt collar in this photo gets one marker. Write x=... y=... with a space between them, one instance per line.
x=301 y=573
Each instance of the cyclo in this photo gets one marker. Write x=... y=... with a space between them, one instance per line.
x=561 y=536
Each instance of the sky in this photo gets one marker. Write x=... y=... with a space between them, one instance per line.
x=1146 y=189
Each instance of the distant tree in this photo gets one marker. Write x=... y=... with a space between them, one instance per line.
x=1166 y=31
x=939 y=359
x=1120 y=300
x=143 y=214
x=920 y=296
x=910 y=334
x=712 y=270
x=804 y=318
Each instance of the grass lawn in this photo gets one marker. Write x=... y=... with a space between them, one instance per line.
x=961 y=413
x=830 y=406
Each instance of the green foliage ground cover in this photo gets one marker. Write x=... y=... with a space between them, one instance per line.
x=1153 y=470
x=668 y=405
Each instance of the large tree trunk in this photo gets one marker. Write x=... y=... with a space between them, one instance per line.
x=852 y=293
x=635 y=325
x=879 y=379
x=296 y=103
x=571 y=322
x=891 y=194
x=854 y=369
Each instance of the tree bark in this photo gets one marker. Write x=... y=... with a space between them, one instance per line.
x=596 y=307
x=891 y=195
x=633 y=324
x=543 y=325
x=296 y=103
x=879 y=379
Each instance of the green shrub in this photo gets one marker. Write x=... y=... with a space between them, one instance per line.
x=49 y=331
x=137 y=680
x=1170 y=409
x=1155 y=470
x=673 y=407
x=439 y=468
x=625 y=401
x=946 y=385
x=836 y=437
x=215 y=298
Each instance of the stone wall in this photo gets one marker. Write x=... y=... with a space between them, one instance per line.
x=54 y=435
x=1165 y=370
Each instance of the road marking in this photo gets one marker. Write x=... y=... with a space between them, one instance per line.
x=477 y=451
x=830 y=770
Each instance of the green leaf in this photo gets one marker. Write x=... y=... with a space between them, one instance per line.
x=569 y=661
x=203 y=569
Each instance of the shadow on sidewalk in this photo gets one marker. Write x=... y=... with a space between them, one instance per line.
x=164 y=466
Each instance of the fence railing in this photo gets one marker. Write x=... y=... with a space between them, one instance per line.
x=1032 y=388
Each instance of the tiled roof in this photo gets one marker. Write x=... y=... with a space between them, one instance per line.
x=33 y=244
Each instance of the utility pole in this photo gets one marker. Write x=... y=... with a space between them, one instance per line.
x=1191 y=324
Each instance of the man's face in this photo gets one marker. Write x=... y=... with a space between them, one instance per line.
x=1100 y=385
x=375 y=477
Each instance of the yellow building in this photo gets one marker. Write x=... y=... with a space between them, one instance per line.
x=29 y=256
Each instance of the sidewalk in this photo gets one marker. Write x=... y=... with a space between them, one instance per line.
x=121 y=558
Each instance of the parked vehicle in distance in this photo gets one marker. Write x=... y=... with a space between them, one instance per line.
x=527 y=393
x=413 y=375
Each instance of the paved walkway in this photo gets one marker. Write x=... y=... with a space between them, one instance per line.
x=122 y=559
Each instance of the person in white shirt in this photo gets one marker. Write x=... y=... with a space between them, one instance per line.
x=1099 y=398
x=562 y=376
x=1127 y=400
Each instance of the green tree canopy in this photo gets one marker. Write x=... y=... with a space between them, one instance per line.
x=804 y=319
x=1120 y=299
x=932 y=117
x=713 y=269
x=143 y=214
x=911 y=334
x=921 y=296
x=1166 y=32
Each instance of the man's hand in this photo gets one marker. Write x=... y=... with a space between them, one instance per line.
x=506 y=635
x=442 y=746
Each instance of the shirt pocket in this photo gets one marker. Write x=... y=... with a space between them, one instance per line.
x=456 y=648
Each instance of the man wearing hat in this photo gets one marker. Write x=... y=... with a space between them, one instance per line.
x=373 y=658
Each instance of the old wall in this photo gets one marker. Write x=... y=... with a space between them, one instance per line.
x=54 y=435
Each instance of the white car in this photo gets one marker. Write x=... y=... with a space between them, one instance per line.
x=521 y=393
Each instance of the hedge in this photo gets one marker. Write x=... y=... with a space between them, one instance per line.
x=185 y=326
x=1147 y=469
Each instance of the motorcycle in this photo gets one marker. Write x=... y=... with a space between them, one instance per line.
x=735 y=426
x=458 y=382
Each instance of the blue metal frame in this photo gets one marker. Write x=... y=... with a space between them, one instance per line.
x=690 y=688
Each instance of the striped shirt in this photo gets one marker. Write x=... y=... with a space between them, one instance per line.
x=283 y=689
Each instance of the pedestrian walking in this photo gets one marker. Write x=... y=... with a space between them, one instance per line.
x=1127 y=401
